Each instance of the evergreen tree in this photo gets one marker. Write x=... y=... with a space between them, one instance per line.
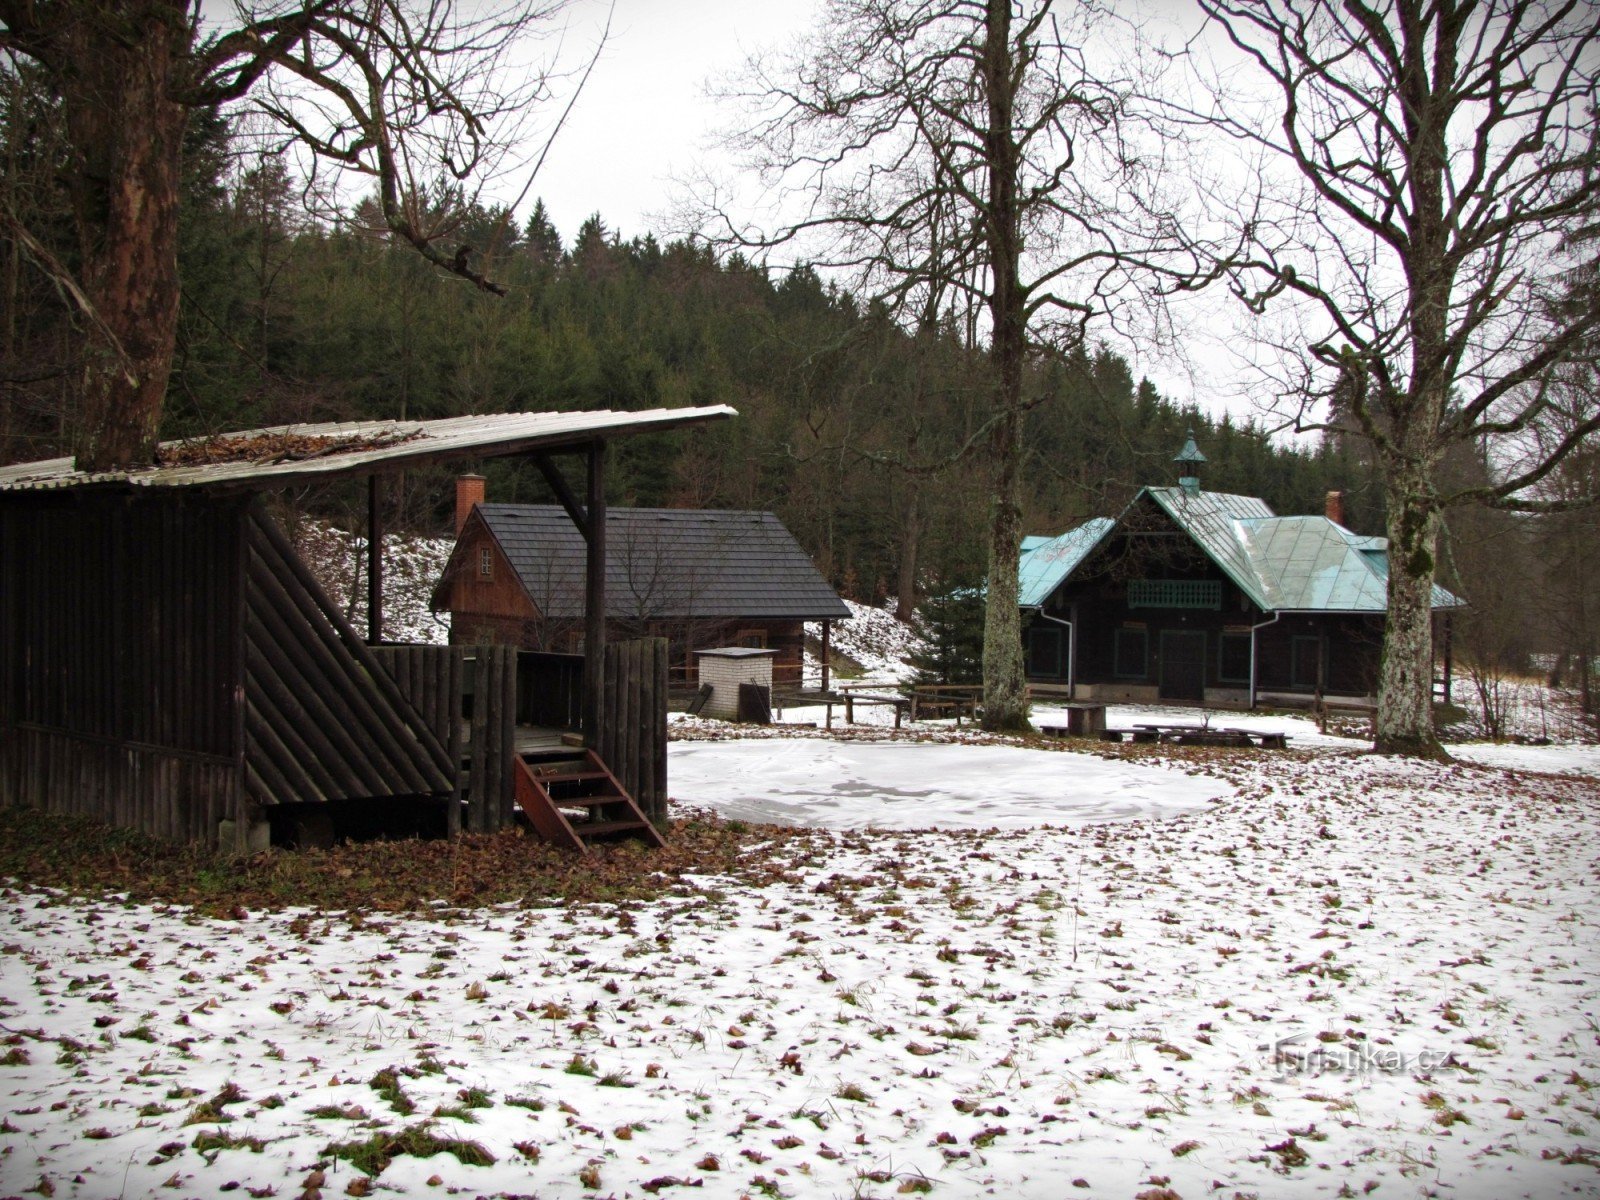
x=952 y=630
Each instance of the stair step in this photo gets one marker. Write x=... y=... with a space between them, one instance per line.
x=555 y=817
x=587 y=801
x=594 y=828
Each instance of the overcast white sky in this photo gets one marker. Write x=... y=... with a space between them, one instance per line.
x=645 y=119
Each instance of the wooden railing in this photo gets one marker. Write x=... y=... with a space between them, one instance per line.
x=550 y=689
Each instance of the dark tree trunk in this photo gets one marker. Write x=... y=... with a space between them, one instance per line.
x=905 y=600
x=1005 y=689
x=127 y=136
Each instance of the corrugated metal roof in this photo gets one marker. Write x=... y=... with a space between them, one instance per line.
x=406 y=441
x=1046 y=562
x=1284 y=564
x=665 y=563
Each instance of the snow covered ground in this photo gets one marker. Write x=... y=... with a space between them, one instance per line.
x=910 y=785
x=1342 y=974
x=873 y=638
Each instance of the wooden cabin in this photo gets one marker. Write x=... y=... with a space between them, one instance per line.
x=1209 y=598
x=168 y=663
x=696 y=577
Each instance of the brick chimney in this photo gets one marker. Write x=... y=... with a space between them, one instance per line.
x=1333 y=507
x=469 y=491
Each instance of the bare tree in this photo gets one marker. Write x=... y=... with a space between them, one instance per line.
x=1440 y=161
x=414 y=94
x=962 y=158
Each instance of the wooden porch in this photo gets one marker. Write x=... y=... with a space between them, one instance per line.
x=512 y=719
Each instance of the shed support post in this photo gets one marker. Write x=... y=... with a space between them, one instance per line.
x=594 y=632
x=827 y=629
x=374 y=564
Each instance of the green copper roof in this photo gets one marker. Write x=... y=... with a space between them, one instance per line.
x=1046 y=562
x=1190 y=452
x=1283 y=564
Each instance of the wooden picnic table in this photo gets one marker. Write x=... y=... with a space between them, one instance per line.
x=1084 y=719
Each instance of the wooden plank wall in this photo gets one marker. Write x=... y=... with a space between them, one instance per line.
x=467 y=696
x=172 y=795
x=633 y=721
x=118 y=658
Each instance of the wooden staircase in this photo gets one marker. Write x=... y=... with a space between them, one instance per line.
x=573 y=799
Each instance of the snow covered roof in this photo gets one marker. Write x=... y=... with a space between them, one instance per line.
x=1283 y=564
x=663 y=563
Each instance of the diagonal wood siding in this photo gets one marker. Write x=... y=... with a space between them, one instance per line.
x=323 y=720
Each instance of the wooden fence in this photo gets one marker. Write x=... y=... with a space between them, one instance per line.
x=473 y=698
x=633 y=721
x=468 y=696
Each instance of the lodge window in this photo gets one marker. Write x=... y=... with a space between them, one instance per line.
x=485 y=564
x=1130 y=654
x=1233 y=658
x=1175 y=593
x=1044 y=652
x=751 y=639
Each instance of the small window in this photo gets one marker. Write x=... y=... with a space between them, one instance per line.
x=1131 y=654
x=751 y=639
x=485 y=563
x=1233 y=658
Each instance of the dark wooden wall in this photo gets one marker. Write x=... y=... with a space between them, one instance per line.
x=633 y=721
x=467 y=695
x=120 y=659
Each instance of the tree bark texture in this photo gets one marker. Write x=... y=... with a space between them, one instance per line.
x=1005 y=684
x=1404 y=721
x=127 y=135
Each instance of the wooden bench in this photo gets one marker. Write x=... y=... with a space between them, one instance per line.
x=1205 y=735
x=851 y=699
x=1325 y=708
x=937 y=700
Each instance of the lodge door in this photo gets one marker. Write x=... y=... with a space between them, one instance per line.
x=1183 y=665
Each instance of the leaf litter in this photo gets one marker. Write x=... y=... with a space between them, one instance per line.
x=1348 y=974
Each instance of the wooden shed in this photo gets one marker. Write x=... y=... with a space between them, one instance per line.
x=697 y=577
x=168 y=663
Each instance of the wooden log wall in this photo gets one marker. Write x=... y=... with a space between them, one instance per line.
x=120 y=617
x=323 y=720
x=467 y=697
x=491 y=738
x=633 y=721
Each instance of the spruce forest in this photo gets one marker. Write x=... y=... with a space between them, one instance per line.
x=851 y=427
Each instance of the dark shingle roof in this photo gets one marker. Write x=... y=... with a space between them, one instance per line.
x=664 y=563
